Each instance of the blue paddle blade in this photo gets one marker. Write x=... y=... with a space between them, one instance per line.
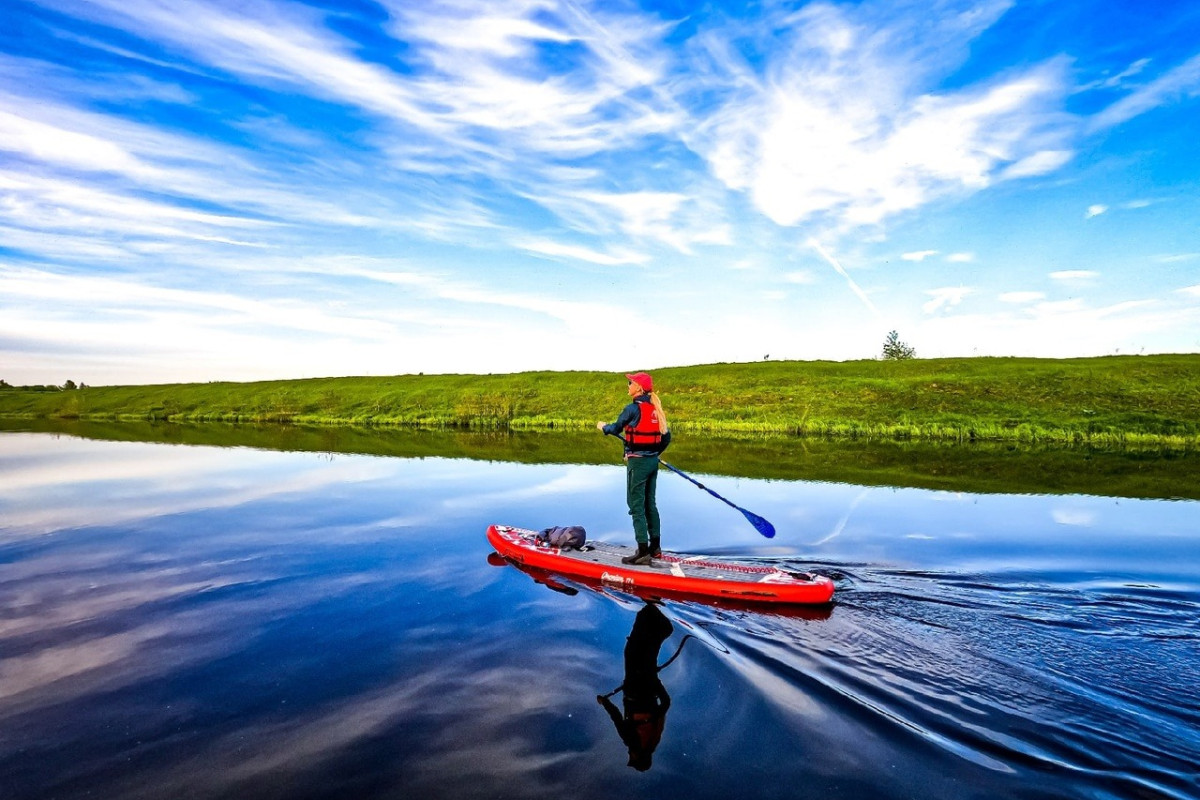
x=761 y=525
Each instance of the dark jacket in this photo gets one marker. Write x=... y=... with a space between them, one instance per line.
x=630 y=416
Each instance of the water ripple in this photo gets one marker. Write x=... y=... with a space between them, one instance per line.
x=1088 y=679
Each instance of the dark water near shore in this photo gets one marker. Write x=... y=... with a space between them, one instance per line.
x=200 y=622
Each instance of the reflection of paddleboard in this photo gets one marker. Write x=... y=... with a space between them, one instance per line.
x=673 y=573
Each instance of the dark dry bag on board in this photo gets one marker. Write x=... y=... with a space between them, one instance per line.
x=568 y=537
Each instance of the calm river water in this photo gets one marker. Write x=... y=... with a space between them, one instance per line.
x=205 y=622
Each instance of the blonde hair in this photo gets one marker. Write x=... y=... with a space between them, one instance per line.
x=662 y=415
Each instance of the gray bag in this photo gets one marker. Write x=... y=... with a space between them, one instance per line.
x=569 y=537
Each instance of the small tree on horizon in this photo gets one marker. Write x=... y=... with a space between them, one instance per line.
x=896 y=350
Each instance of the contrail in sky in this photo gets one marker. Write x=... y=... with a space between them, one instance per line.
x=833 y=262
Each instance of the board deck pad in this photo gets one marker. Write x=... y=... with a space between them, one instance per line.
x=675 y=573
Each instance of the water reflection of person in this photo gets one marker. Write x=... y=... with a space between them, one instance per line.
x=645 y=698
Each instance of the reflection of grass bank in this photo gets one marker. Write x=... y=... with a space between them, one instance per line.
x=1112 y=401
x=977 y=468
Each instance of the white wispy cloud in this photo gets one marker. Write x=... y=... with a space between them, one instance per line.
x=1119 y=79
x=78 y=210
x=86 y=173
x=59 y=195
x=68 y=148
x=669 y=217
x=1095 y=210
x=478 y=100
x=55 y=247
x=1074 y=275
x=133 y=298
x=1063 y=329
x=480 y=96
x=574 y=314
x=843 y=125
x=481 y=61
x=945 y=298
x=462 y=170
x=580 y=253
x=1040 y=163
x=1051 y=308
x=681 y=221
x=1177 y=83
x=70 y=324
x=1192 y=291
x=1078 y=306
x=1021 y=297
x=268 y=44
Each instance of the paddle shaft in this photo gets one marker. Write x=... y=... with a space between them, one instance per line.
x=761 y=525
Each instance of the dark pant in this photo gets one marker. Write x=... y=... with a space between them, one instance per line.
x=641 y=481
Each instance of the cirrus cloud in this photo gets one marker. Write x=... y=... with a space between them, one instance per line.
x=945 y=298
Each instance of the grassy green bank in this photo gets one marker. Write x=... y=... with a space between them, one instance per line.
x=1135 y=401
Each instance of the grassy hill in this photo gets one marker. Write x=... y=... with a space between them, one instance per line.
x=1125 y=400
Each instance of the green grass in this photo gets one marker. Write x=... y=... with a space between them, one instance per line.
x=1127 y=401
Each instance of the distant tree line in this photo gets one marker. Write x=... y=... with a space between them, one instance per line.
x=69 y=386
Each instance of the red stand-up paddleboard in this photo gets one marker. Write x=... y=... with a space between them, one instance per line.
x=674 y=573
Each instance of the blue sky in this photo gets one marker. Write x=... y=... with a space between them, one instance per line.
x=237 y=190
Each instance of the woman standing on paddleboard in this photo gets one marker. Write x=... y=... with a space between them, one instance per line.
x=644 y=425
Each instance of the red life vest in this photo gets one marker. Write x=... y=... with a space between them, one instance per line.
x=644 y=434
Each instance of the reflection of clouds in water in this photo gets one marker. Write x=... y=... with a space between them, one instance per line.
x=947 y=497
x=398 y=522
x=444 y=730
x=73 y=487
x=448 y=573
x=575 y=480
x=49 y=484
x=493 y=729
x=38 y=683
x=290 y=744
x=128 y=463
x=59 y=641
x=799 y=510
x=64 y=595
x=841 y=523
x=148 y=582
x=108 y=602
x=439 y=508
x=88 y=484
x=1073 y=516
x=340 y=628
x=20 y=674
